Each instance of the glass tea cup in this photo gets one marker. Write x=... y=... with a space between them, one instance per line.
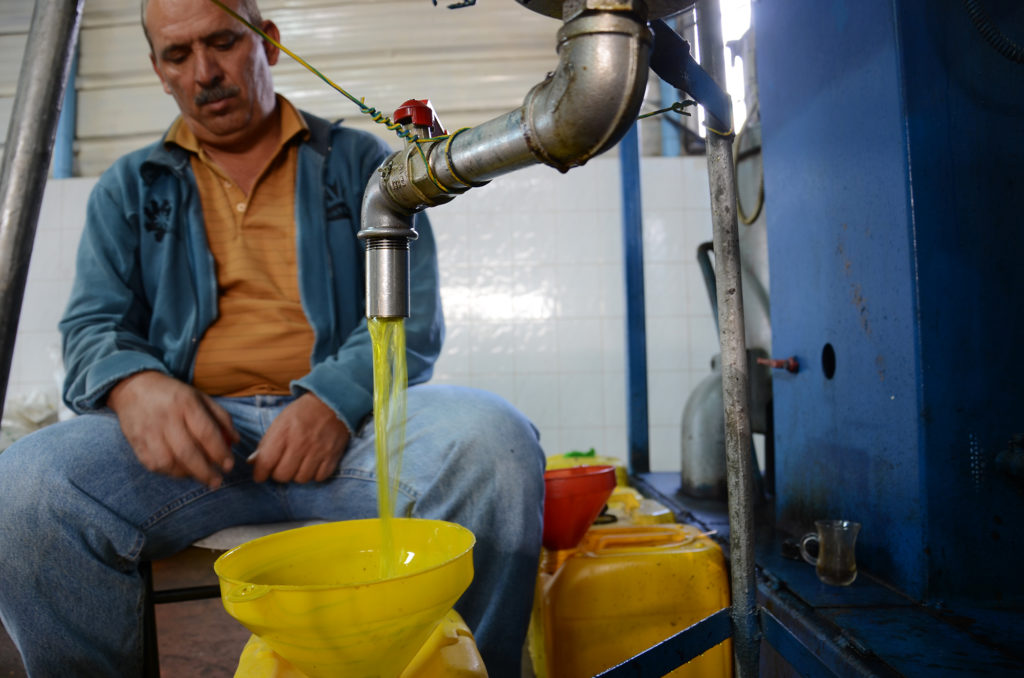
x=835 y=564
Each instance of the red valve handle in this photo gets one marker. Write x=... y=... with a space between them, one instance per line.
x=420 y=112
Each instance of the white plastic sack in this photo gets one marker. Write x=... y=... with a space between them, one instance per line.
x=24 y=414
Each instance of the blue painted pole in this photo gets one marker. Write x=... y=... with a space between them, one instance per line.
x=64 y=145
x=636 y=328
x=677 y=650
x=671 y=140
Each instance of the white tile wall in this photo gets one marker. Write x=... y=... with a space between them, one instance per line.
x=532 y=282
x=36 y=365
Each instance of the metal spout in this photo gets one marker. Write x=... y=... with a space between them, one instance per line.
x=387 y=273
x=387 y=232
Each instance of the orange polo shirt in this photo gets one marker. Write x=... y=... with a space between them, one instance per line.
x=261 y=339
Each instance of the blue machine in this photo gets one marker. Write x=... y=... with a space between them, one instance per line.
x=893 y=150
x=893 y=156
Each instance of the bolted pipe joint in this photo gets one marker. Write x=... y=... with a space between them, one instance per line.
x=421 y=175
x=410 y=183
x=587 y=104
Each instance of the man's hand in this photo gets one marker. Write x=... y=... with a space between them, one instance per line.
x=305 y=442
x=173 y=428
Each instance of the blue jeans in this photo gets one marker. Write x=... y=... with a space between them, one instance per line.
x=78 y=513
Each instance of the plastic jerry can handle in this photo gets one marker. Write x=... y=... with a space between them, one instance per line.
x=647 y=538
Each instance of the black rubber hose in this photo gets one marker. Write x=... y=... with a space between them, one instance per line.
x=993 y=36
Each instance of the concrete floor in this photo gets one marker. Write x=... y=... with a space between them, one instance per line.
x=197 y=638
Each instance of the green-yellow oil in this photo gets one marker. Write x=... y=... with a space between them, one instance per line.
x=390 y=381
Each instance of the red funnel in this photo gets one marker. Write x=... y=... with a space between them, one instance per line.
x=573 y=498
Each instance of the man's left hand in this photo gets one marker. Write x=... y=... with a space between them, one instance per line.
x=305 y=442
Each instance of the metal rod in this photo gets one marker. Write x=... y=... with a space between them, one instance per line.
x=30 y=136
x=740 y=484
x=636 y=328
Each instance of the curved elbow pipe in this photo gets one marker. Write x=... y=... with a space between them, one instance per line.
x=589 y=102
x=580 y=110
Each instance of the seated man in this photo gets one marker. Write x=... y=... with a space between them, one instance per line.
x=217 y=353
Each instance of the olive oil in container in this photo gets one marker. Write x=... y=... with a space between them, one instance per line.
x=623 y=590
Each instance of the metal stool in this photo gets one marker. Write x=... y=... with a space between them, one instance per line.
x=224 y=540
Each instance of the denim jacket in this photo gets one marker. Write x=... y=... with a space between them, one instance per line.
x=145 y=287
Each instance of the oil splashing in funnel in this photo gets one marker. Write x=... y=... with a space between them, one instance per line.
x=316 y=597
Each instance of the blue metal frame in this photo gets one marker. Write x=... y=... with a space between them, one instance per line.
x=671 y=139
x=64 y=144
x=677 y=650
x=799 y=656
x=690 y=643
x=892 y=157
x=636 y=328
x=671 y=61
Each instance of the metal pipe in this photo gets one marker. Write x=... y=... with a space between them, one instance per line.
x=30 y=137
x=740 y=481
x=580 y=110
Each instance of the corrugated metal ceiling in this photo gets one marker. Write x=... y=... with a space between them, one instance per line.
x=473 y=63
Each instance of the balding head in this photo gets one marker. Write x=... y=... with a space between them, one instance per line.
x=217 y=70
x=247 y=9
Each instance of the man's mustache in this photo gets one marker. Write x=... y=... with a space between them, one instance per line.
x=216 y=93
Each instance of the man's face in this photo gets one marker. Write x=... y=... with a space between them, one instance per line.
x=217 y=70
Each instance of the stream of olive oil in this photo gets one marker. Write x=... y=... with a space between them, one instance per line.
x=390 y=381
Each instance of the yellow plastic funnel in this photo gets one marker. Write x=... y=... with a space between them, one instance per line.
x=315 y=596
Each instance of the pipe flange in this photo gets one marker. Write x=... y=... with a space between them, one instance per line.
x=573 y=8
x=657 y=9
x=605 y=23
